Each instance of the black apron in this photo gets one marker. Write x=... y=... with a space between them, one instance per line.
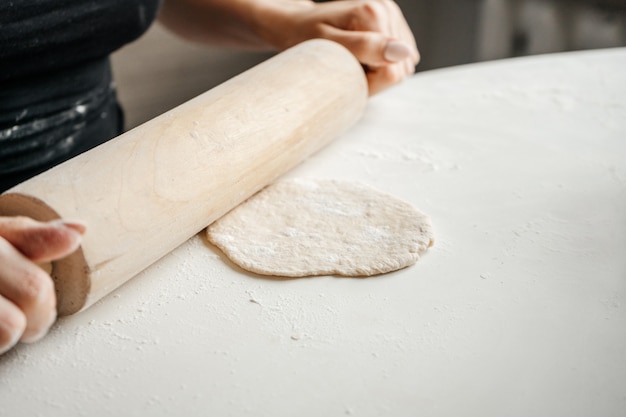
x=57 y=96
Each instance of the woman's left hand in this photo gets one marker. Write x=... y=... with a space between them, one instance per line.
x=375 y=31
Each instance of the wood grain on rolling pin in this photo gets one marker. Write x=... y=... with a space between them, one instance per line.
x=147 y=191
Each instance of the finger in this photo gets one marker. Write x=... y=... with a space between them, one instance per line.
x=381 y=78
x=42 y=242
x=370 y=48
x=12 y=324
x=29 y=288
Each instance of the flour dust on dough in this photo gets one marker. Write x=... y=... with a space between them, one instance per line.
x=307 y=227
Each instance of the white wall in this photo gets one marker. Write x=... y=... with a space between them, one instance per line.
x=543 y=26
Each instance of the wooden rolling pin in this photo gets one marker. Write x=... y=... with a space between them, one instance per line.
x=149 y=190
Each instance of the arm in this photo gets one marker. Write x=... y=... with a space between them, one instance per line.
x=375 y=31
x=27 y=299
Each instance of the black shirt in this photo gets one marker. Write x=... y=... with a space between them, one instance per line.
x=57 y=97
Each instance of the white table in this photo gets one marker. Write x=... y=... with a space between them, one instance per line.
x=518 y=310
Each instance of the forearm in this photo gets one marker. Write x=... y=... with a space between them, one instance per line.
x=375 y=31
x=241 y=23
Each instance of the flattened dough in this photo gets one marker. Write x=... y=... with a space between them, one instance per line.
x=306 y=227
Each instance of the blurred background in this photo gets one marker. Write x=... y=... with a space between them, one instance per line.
x=161 y=71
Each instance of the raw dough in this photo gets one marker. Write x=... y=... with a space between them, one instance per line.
x=308 y=227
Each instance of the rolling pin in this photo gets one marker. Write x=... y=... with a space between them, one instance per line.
x=147 y=191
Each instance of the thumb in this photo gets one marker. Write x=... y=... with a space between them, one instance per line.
x=42 y=242
x=370 y=48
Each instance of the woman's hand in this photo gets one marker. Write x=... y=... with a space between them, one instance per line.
x=27 y=298
x=375 y=31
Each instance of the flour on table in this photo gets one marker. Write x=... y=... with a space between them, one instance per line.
x=309 y=227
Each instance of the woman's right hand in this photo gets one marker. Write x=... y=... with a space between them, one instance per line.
x=375 y=31
x=27 y=297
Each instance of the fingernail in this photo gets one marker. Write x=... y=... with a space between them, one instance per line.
x=75 y=225
x=396 y=51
